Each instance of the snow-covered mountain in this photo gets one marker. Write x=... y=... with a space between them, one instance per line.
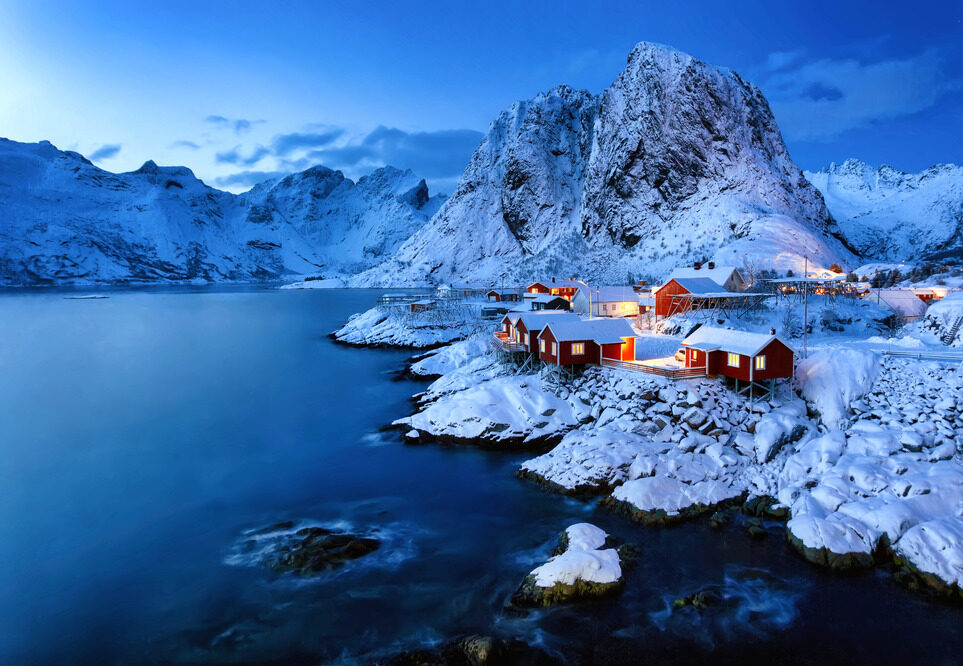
x=676 y=161
x=891 y=215
x=63 y=220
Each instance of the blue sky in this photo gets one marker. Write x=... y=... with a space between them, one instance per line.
x=238 y=91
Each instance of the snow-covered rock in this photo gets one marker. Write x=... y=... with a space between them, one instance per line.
x=663 y=499
x=892 y=215
x=833 y=378
x=397 y=326
x=584 y=568
x=65 y=220
x=604 y=185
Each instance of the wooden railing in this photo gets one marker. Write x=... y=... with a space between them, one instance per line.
x=671 y=373
x=502 y=342
x=920 y=355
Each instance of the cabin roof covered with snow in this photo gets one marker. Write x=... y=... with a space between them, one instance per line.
x=903 y=302
x=700 y=285
x=600 y=331
x=538 y=319
x=710 y=338
x=610 y=294
x=718 y=274
x=544 y=298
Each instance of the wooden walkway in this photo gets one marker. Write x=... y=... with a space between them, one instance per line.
x=929 y=355
x=671 y=373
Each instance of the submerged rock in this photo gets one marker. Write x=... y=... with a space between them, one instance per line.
x=316 y=549
x=304 y=551
x=473 y=650
x=582 y=567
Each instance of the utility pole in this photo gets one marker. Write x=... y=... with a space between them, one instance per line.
x=806 y=309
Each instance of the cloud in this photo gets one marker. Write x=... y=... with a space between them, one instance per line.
x=233 y=156
x=778 y=60
x=244 y=180
x=821 y=99
x=239 y=125
x=439 y=154
x=105 y=152
x=186 y=144
x=285 y=144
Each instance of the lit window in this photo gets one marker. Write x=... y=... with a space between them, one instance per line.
x=578 y=348
x=554 y=349
x=760 y=363
x=733 y=360
x=541 y=346
x=526 y=339
x=695 y=355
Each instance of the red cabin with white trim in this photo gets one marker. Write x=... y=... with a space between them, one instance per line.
x=749 y=357
x=583 y=341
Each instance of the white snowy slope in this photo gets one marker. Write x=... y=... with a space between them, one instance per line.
x=63 y=220
x=891 y=215
x=677 y=160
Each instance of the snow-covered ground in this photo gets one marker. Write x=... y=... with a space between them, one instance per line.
x=397 y=326
x=863 y=454
x=328 y=283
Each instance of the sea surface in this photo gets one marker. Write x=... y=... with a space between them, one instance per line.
x=144 y=434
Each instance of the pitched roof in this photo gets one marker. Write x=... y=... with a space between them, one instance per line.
x=718 y=274
x=701 y=285
x=710 y=338
x=538 y=319
x=544 y=298
x=609 y=294
x=558 y=284
x=601 y=331
x=903 y=302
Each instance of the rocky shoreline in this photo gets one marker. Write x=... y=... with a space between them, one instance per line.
x=860 y=476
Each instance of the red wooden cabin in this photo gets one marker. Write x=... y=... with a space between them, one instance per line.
x=582 y=341
x=666 y=305
x=423 y=305
x=748 y=357
x=499 y=296
x=530 y=324
x=564 y=288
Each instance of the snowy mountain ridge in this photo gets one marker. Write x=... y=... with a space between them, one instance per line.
x=888 y=214
x=65 y=221
x=676 y=161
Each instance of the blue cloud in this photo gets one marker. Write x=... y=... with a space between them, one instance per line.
x=439 y=154
x=104 y=152
x=186 y=144
x=285 y=144
x=239 y=125
x=821 y=99
x=233 y=156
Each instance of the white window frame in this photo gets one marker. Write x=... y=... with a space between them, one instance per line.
x=554 y=349
x=578 y=349
x=541 y=346
x=695 y=355
x=760 y=362
x=733 y=357
x=526 y=339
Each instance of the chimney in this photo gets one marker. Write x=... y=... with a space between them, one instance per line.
x=553 y=280
x=772 y=331
x=712 y=265
x=697 y=265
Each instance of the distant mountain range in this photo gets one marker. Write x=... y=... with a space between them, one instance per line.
x=890 y=215
x=676 y=161
x=63 y=220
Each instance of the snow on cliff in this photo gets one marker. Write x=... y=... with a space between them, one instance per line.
x=63 y=220
x=677 y=160
x=891 y=215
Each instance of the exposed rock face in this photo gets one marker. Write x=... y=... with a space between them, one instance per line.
x=63 y=220
x=677 y=160
x=892 y=215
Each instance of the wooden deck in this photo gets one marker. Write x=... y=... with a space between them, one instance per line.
x=502 y=342
x=662 y=371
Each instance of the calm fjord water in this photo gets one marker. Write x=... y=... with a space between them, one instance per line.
x=142 y=434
